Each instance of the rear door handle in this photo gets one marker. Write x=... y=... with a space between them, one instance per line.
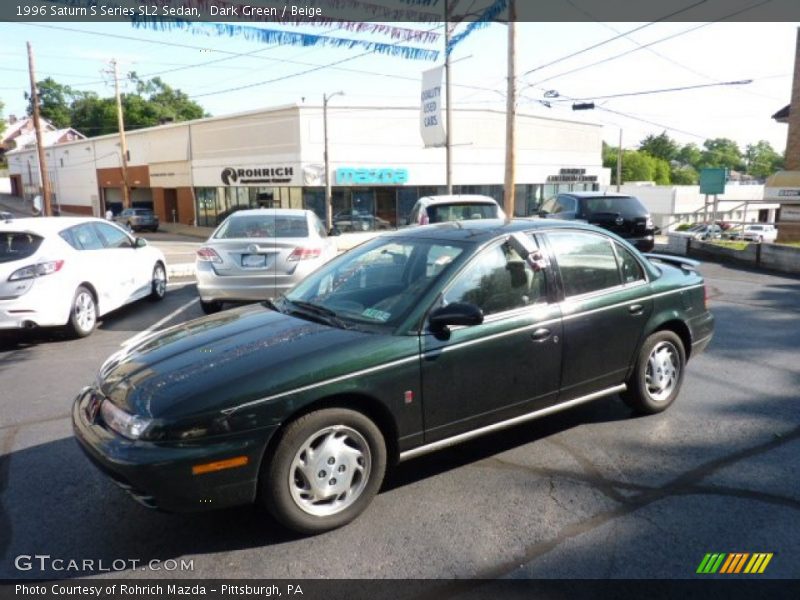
x=635 y=309
x=540 y=335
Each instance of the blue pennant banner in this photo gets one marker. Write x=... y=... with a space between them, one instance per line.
x=489 y=15
x=291 y=38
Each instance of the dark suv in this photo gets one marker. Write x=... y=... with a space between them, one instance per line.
x=624 y=215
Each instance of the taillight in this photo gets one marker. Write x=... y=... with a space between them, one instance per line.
x=208 y=255
x=301 y=253
x=38 y=270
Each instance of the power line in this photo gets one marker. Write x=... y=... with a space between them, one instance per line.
x=661 y=91
x=616 y=37
x=642 y=47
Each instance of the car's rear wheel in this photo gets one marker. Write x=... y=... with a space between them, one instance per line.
x=211 y=307
x=658 y=374
x=158 y=286
x=83 y=314
x=326 y=469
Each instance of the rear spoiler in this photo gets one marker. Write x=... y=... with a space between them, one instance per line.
x=678 y=261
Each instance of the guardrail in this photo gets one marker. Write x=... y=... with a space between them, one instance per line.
x=775 y=257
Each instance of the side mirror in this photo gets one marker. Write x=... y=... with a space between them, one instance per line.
x=140 y=242
x=457 y=313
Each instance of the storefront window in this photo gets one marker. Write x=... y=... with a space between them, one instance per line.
x=207 y=209
x=314 y=199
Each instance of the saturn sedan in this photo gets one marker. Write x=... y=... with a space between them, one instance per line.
x=410 y=342
x=258 y=254
x=68 y=271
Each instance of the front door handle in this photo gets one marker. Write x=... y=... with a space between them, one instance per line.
x=635 y=309
x=540 y=335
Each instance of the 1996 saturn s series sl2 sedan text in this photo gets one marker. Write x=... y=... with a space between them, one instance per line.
x=411 y=342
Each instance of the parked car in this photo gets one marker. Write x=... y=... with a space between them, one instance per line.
x=259 y=253
x=457 y=207
x=700 y=231
x=411 y=342
x=624 y=215
x=138 y=219
x=68 y=271
x=759 y=232
x=356 y=220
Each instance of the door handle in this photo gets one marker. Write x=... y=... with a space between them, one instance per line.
x=635 y=309
x=540 y=335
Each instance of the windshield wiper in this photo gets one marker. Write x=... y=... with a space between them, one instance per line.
x=329 y=316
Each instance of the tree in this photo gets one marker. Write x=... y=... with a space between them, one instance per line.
x=636 y=166
x=55 y=100
x=762 y=160
x=659 y=146
x=153 y=102
x=685 y=175
x=690 y=155
x=722 y=152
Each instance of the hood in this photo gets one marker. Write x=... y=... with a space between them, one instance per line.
x=227 y=359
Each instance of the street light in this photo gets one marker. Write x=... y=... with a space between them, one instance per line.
x=328 y=199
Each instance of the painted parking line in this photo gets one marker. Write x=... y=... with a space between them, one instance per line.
x=143 y=334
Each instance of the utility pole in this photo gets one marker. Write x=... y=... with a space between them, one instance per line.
x=123 y=145
x=449 y=98
x=47 y=209
x=619 y=161
x=508 y=203
x=328 y=193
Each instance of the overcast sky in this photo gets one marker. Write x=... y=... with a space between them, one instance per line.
x=696 y=54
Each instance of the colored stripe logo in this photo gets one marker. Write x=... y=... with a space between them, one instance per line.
x=734 y=563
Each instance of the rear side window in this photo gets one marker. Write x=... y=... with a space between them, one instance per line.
x=586 y=261
x=15 y=245
x=630 y=267
x=440 y=213
x=264 y=226
x=82 y=237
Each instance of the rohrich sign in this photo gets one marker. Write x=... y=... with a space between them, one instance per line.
x=249 y=175
x=351 y=176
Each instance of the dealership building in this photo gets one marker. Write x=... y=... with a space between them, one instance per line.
x=197 y=172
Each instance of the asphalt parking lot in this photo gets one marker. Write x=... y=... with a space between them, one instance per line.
x=590 y=493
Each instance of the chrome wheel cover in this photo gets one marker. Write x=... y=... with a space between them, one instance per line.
x=330 y=471
x=159 y=281
x=663 y=371
x=85 y=311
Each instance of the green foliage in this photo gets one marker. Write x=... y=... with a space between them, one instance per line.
x=722 y=152
x=685 y=175
x=659 y=146
x=762 y=160
x=153 y=102
x=690 y=156
x=683 y=227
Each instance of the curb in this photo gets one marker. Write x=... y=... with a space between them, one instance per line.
x=180 y=270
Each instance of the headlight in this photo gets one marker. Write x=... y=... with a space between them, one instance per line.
x=130 y=426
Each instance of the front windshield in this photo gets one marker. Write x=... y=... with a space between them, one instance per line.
x=378 y=283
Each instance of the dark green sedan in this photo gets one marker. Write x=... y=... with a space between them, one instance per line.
x=411 y=342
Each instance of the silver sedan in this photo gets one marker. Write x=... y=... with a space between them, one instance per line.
x=258 y=254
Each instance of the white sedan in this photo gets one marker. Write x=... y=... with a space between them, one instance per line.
x=759 y=232
x=68 y=271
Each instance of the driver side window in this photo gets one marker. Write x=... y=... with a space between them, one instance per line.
x=498 y=280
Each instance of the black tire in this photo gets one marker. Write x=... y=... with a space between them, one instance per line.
x=655 y=384
x=158 y=283
x=83 y=313
x=212 y=307
x=283 y=485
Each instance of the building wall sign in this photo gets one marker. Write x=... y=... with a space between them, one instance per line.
x=265 y=175
x=572 y=176
x=790 y=212
x=351 y=176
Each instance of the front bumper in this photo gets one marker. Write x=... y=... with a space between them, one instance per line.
x=159 y=474
x=643 y=244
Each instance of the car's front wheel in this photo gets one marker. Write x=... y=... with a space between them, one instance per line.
x=83 y=314
x=658 y=374
x=325 y=470
x=158 y=285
